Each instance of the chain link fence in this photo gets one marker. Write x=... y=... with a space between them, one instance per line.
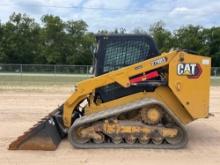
x=44 y=69
x=215 y=72
x=39 y=73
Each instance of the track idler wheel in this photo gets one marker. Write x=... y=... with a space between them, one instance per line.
x=130 y=139
x=144 y=139
x=117 y=139
x=156 y=137
x=157 y=140
x=151 y=115
x=177 y=139
x=99 y=139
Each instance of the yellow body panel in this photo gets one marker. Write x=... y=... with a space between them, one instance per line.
x=180 y=96
x=193 y=93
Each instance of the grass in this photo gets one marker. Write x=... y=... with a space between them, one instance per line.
x=41 y=79
x=13 y=79
x=215 y=81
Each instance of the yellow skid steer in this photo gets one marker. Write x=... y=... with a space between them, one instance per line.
x=138 y=98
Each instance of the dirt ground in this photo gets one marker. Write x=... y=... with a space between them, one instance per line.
x=20 y=109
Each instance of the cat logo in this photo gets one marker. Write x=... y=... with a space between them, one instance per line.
x=190 y=70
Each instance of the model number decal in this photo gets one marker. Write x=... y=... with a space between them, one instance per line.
x=159 y=61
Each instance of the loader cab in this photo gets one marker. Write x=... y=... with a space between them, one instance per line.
x=117 y=51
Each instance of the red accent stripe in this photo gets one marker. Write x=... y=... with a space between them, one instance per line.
x=141 y=78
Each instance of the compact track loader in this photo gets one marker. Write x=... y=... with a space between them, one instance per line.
x=138 y=98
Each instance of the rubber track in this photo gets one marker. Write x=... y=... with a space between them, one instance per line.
x=86 y=120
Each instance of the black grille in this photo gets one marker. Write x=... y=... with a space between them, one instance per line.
x=123 y=53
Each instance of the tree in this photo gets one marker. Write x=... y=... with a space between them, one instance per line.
x=103 y=32
x=212 y=41
x=3 y=56
x=19 y=41
x=79 y=43
x=139 y=31
x=119 y=31
x=162 y=37
x=53 y=35
x=190 y=37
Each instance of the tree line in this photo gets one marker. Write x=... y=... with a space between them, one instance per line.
x=22 y=40
x=203 y=41
x=55 y=41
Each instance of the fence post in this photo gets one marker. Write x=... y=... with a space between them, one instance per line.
x=55 y=70
x=87 y=70
x=215 y=72
x=21 y=70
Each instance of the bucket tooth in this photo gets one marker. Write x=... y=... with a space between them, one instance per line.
x=44 y=135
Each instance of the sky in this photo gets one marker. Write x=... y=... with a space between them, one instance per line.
x=128 y=14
